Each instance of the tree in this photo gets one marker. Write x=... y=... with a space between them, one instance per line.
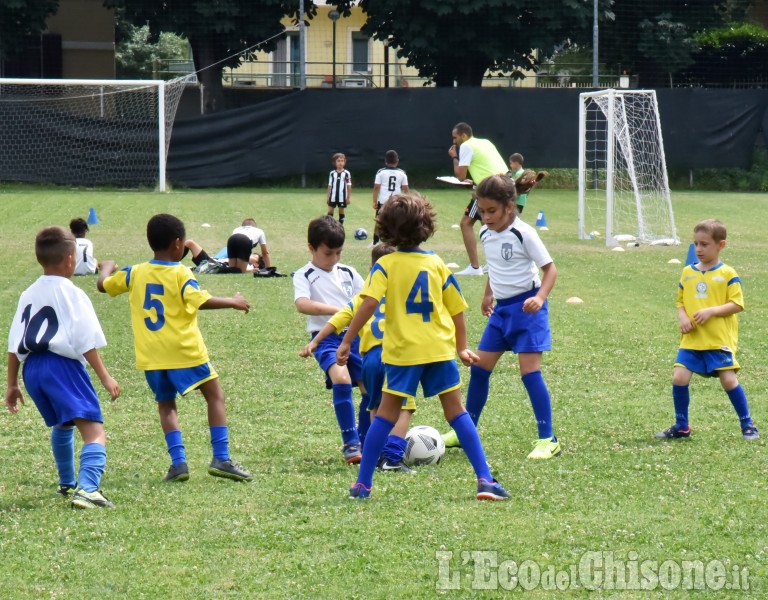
x=19 y=20
x=217 y=31
x=137 y=57
x=459 y=40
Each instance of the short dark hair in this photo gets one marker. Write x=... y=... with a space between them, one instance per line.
x=391 y=157
x=463 y=129
x=53 y=244
x=498 y=188
x=78 y=226
x=406 y=220
x=249 y=221
x=713 y=227
x=337 y=155
x=325 y=230
x=163 y=229
x=516 y=157
x=381 y=249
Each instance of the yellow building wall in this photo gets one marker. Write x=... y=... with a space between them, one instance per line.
x=87 y=32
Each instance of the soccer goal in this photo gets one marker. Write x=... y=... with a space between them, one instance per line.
x=86 y=131
x=623 y=184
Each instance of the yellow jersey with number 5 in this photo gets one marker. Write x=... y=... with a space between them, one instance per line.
x=422 y=298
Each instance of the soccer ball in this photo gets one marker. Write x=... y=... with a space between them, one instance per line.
x=361 y=234
x=425 y=446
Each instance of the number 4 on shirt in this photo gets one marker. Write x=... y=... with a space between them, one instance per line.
x=422 y=305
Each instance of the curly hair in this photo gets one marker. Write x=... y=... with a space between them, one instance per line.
x=406 y=220
x=163 y=230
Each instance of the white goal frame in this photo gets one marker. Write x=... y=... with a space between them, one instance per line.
x=97 y=90
x=622 y=169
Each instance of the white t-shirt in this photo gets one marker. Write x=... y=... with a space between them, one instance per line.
x=335 y=287
x=256 y=235
x=85 y=262
x=55 y=315
x=391 y=180
x=514 y=257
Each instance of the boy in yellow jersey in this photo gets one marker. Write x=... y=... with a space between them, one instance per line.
x=164 y=298
x=371 y=336
x=709 y=298
x=425 y=330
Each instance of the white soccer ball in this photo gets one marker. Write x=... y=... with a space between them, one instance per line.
x=361 y=234
x=425 y=446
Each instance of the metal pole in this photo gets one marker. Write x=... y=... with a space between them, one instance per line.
x=334 y=16
x=595 y=65
x=302 y=48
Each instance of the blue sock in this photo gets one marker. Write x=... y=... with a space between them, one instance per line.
x=477 y=392
x=363 y=417
x=63 y=447
x=175 y=447
x=739 y=401
x=345 y=412
x=542 y=408
x=470 y=442
x=220 y=442
x=374 y=444
x=93 y=461
x=682 y=398
x=394 y=450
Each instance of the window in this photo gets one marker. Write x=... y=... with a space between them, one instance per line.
x=360 y=52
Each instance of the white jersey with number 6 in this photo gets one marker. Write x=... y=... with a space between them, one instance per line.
x=54 y=315
x=391 y=180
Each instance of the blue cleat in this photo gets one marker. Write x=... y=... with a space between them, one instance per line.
x=491 y=490
x=359 y=492
x=674 y=432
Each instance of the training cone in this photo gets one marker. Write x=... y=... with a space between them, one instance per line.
x=92 y=218
x=541 y=220
x=691 y=258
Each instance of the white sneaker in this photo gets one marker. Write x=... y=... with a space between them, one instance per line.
x=470 y=270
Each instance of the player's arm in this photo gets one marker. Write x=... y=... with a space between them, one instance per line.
x=534 y=304
x=405 y=189
x=349 y=192
x=465 y=354
x=486 y=306
x=703 y=315
x=238 y=302
x=376 y=188
x=13 y=393
x=312 y=307
x=93 y=358
x=684 y=320
x=459 y=172
x=107 y=268
x=362 y=316
x=310 y=348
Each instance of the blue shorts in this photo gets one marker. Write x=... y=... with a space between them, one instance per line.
x=509 y=328
x=706 y=362
x=60 y=388
x=435 y=378
x=166 y=383
x=374 y=375
x=325 y=354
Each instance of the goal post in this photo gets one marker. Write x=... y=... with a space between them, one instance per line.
x=87 y=131
x=623 y=182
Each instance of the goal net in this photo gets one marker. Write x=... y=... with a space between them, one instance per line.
x=87 y=132
x=623 y=185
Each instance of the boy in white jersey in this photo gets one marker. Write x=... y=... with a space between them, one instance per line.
x=54 y=333
x=164 y=297
x=371 y=336
x=86 y=261
x=519 y=321
x=388 y=181
x=321 y=288
x=709 y=298
x=339 y=192
x=425 y=331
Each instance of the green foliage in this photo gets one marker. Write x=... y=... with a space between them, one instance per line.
x=292 y=533
x=138 y=57
x=736 y=53
x=20 y=19
x=754 y=179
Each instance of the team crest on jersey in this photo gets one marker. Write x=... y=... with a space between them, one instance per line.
x=506 y=251
x=347 y=287
x=701 y=289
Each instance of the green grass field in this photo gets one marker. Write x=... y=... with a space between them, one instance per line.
x=293 y=533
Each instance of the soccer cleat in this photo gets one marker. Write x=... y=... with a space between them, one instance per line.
x=178 y=472
x=470 y=270
x=750 y=433
x=359 y=492
x=387 y=466
x=352 y=453
x=545 y=448
x=228 y=469
x=451 y=439
x=95 y=499
x=66 y=490
x=491 y=490
x=674 y=432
